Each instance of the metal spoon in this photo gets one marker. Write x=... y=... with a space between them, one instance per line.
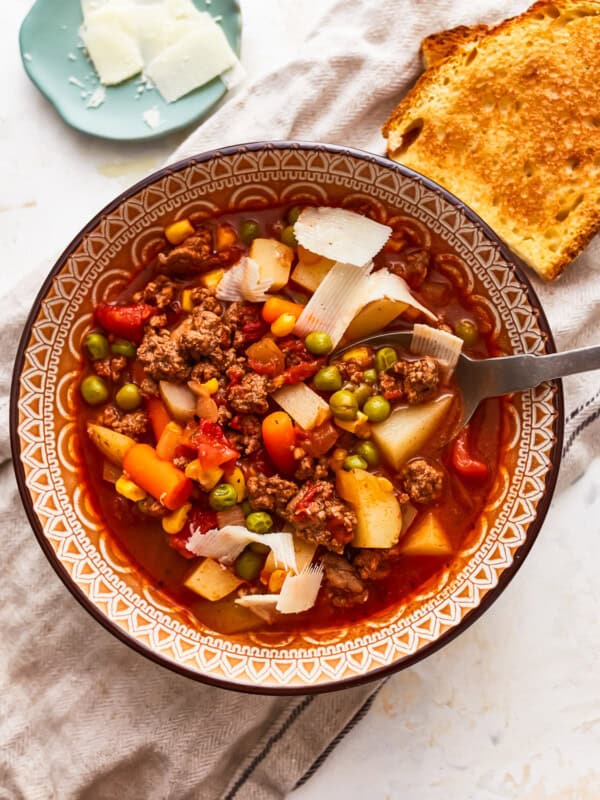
x=492 y=377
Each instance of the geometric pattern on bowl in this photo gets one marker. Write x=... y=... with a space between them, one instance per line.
x=45 y=436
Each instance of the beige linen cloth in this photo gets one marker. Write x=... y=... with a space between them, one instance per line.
x=81 y=715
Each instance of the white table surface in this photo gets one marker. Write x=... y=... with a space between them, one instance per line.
x=510 y=709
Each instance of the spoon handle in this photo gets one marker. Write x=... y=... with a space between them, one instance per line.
x=514 y=373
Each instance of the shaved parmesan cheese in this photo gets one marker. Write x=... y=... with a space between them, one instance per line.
x=263 y=605
x=299 y=592
x=152 y=117
x=225 y=544
x=386 y=297
x=114 y=52
x=303 y=405
x=192 y=61
x=441 y=345
x=97 y=97
x=305 y=552
x=336 y=302
x=242 y=282
x=340 y=234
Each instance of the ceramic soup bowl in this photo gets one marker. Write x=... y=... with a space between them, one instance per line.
x=47 y=453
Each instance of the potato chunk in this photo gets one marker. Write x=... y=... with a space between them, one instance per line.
x=376 y=506
x=274 y=261
x=408 y=428
x=113 y=446
x=212 y=580
x=427 y=538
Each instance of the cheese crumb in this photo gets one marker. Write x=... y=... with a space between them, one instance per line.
x=97 y=98
x=152 y=117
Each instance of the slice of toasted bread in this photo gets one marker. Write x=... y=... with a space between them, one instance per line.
x=439 y=46
x=510 y=123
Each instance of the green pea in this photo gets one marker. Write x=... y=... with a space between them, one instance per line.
x=354 y=462
x=258 y=547
x=385 y=358
x=362 y=392
x=249 y=230
x=328 y=379
x=248 y=565
x=222 y=496
x=121 y=347
x=288 y=236
x=96 y=345
x=467 y=331
x=318 y=343
x=343 y=405
x=377 y=408
x=259 y=522
x=128 y=398
x=368 y=451
x=370 y=376
x=93 y=390
x=293 y=214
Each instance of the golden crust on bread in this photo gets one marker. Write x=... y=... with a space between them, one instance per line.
x=439 y=46
x=510 y=123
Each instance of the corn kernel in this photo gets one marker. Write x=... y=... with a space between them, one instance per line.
x=235 y=477
x=207 y=478
x=336 y=462
x=386 y=485
x=186 y=300
x=178 y=231
x=211 y=279
x=360 y=426
x=211 y=386
x=174 y=522
x=276 y=579
x=360 y=354
x=283 y=325
x=129 y=489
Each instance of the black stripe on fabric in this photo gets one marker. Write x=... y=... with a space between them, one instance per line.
x=583 y=406
x=580 y=428
x=292 y=717
x=362 y=712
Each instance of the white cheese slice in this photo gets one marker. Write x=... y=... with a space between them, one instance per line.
x=225 y=544
x=340 y=234
x=299 y=592
x=303 y=405
x=336 y=302
x=115 y=53
x=443 y=346
x=194 y=60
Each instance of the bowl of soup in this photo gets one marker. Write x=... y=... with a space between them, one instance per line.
x=222 y=477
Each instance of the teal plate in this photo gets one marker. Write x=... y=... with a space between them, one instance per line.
x=58 y=67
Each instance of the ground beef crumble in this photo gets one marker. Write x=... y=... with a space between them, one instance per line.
x=245 y=433
x=110 y=368
x=160 y=292
x=320 y=516
x=134 y=424
x=251 y=395
x=270 y=494
x=160 y=355
x=309 y=467
x=372 y=564
x=411 y=381
x=202 y=333
x=343 y=585
x=423 y=481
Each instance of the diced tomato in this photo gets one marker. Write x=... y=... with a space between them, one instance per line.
x=319 y=440
x=300 y=372
x=308 y=494
x=259 y=462
x=263 y=367
x=213 y=447
x=198 y=519
x=463 y=461
x=253 y=330
x=127 y=322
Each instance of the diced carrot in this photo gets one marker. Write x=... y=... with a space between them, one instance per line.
x=159 y=478
x=279 y=438
x=158 y=414
x=169 y=441
x=276 y=306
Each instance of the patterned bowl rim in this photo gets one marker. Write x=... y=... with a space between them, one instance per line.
x=423 y=652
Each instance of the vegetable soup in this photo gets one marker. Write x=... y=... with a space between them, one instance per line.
x=255 y=465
